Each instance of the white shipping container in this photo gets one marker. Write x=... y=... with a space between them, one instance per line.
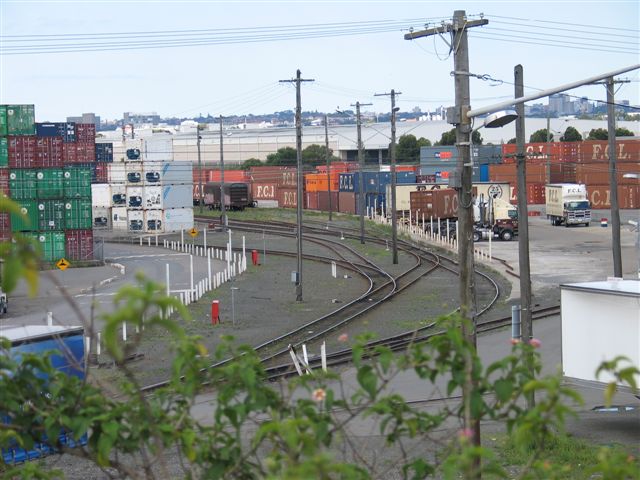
x=153 y=221
x=117 y=173
x=152 y=173
x=134 y=197
x=176 y=219
x=159 y=147
x=119 y=218
x=152 y=197
x=177 y=196
x=133 y=172
x=134 y=150
x=177 y=172
x=486 y=190
x=118 y=195
x=101 y=217
x=100 y=195
x=135 y=220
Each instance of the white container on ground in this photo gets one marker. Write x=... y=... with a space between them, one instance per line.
x=152 y=197
x=177 y=196
x=177 y=219
x=100 y=195
x=117 y=173
x=119 y=218
x=135 y=220
x=177 y=173
x=153 y=221
x=134 y=197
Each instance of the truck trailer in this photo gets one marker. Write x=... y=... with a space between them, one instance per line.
x=567 y=204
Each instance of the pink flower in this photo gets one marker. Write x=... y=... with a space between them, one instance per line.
x=465 y=434
x=319 y=395
x=343 y=338
x=535 y=343
x=515 y=341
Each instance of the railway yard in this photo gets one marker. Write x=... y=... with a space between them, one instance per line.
x=397 y=303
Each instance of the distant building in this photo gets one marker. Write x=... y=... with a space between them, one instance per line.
x=138 y=118
x=86 y=118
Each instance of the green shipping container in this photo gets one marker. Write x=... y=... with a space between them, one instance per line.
x=78 y=214
x=29 y=220
x=21 y=120
x=3 y=120
x=50 y=183
x=4 y=152
x=23 y=185
x=77 y=182
x=52 y=245
x=51 y=215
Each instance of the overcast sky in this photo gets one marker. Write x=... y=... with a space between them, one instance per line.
x=556 y=42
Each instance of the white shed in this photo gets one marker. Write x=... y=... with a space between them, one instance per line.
x=600 y=321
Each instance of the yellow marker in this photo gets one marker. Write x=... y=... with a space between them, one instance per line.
x=62 y=264
x=193 y=232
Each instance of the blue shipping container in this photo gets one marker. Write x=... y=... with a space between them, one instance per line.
x=104 y=152
x=66 y=130
x=375 y=200
x=405 y=177
x=484 y=172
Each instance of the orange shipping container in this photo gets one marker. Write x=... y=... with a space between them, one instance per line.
x=317 y=182
x=597 y=151
x=598 y=174
x=600 y=196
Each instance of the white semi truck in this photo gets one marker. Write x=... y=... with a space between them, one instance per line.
x=567 y=204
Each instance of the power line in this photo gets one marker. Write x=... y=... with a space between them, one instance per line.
x=564 y=23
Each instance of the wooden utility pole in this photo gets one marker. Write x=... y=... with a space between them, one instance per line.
x=613 y=180
x=328 y=158
x=462 y=180
x=299 y=198
x=392 y=161
x=361 y=162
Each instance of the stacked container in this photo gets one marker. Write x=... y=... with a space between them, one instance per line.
x=49 y=176
x=145 y=191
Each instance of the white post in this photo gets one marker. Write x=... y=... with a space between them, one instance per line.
x=244 y=253
x=149 y=241
x=50 y=319
x=167 y=277
x=304 y=353
x=447 y=230
x=124 y=331
x=490 y=238
x=99 y=344
x=334 y=270
x=191 y=270
x=204 y=232
x=209 y=267
x=140 y=241
x=181 y=237
x=457 y=232
x=295 y=361
x=156 y=239
x=229 y=255
x=323 y=356
x=431 y=228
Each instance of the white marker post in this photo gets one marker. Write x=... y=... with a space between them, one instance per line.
x=191 y=270
x=334 y=270
x=205 y=238
x=50 y=319
x=209 y=267
x=167 y=277
x=244 y=253
x=181 y=238
x=323 y=356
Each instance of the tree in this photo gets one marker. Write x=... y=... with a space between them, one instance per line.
x=449 y=138
x=512 y=140
x=317 y=155
x=284 y=156
x=251 y=162
x=571 y=135
x=603 y=133
x=408 y=148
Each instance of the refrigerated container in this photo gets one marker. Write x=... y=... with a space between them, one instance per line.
x=135 y=220
x=117 y=173
x=118 y=196
x=101 y=217
x=50 y=183
x=101 y=195
x=177 y=196
x=134 y=197
x=79 y=244
x=119 y=218
x=158 y=148
x=51 y=214
x=77 y=213
x=133 y=173
x=176 y=219
x=153 y=221
x=152 y=173
x=152 y=197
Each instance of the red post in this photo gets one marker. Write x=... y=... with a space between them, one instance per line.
x=254 y=257
x=215 y=312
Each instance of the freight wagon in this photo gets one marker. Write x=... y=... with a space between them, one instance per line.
x=237 y=196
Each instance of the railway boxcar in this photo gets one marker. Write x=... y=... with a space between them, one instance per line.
x=237 y=195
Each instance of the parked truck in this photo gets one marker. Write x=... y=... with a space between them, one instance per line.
x=494 y=218
x=68 y=346
x=567 y=204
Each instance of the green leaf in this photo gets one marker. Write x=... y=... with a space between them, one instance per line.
x=503 y=389
x=367 y=380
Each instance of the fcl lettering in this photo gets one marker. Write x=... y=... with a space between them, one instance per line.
x=601 y=152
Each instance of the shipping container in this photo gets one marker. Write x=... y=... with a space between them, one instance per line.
x=152 y=173
x=153 y=221
x=117 y=173
x=49 y=152
x=3 y=121
x=492 y=189
x=100 y=173
x=263 y=191
x=540 y=152
x=65 y=130
x=311 y=200
x=23 y=184
x=281 y=176
x=4 y=182
x=5 y=227
x=324 y=198
x=535 y=194
x=101 y=217
x=133 y=173
x=347 y=202
x=213 y=175
x=442 y=172
x=375 y=202
x=182 y=173
x=22 y=151
x=69 y=153
x=77 y=181
x=403 y=199
x=152 y=197
x=441 y=203
x=118 y=195
x=77 y=213
x=135 y=220
x=79 y=244
x=104 y=152
x=598 y=174
x=4 y=152
x=425 y=178
x=176 y=219
x=600 y=196
x=134 y=197
x=484 y=172
x=50 y=183
x=316 y=182
x=597 y=151
x=85 y=133
x=288 y=198
x=86 y=152
x=159 y=148
x=28 y=218
x=119 y=218
x=21 y=120
x=177 y=196
x=51 y=244
x=51 y=214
